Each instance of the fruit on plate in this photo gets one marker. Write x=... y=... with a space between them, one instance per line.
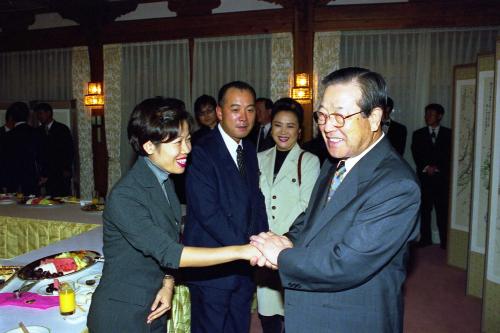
x=40 y=201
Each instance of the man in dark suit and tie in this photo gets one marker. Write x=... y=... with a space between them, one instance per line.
x=21 y=152
x=261 y=132
x=343 y=262
x=9 y=124
x=431 y=149
x=57 y=152
x=224 y=207
x=396 y=132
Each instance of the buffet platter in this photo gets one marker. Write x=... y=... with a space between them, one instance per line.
x=58 y=265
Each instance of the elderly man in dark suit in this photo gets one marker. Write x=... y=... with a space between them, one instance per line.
x=431 y=149
x=224 y=207
x=396 y=132
x=342 y=263
x=57 y=152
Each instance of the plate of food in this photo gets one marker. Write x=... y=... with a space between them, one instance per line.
x=71 y=199
x=91 y=280
x=40 y=202
x=31 y=329
x=57 y=265
x=6 y=273
x=7 y=199
x=92 y=207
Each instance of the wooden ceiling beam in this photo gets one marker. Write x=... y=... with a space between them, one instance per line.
x=419 y=14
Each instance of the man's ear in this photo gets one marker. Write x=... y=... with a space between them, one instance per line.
x=149 y=147
x=375 y=118
x=218 y=112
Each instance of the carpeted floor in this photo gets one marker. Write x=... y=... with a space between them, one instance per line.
x=435 y=300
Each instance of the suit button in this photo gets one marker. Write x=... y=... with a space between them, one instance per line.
x=273 y=207
x=293 y=180
x=273 y=217
x=274 y=197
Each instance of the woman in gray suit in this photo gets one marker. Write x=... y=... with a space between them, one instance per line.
x=142 y=227
x=287 y=177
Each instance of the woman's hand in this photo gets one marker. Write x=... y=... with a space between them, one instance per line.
x=248 y=252
x=163 y=301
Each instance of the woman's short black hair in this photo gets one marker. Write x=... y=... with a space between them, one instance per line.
x=290 y=105
x=157 y=120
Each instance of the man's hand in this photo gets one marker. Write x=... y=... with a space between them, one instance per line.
x=271 y=246
x=162 y=302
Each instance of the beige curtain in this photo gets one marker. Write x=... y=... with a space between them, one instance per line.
x=326 y=60
x=217 y=61
x=281 y=77
x=113 y=111
x=417 y=65
x=148 y=70
x=80 y=77
x=36 y=75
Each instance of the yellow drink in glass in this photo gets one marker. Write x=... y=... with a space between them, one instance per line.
x=67 y=302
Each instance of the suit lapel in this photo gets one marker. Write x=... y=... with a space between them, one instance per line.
x=350 y=187
x=146 y=177
x=289 y=165
x=228 y=164
x=267 y=165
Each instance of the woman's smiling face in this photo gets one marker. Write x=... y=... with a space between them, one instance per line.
x=171 y=156
x=285 y=130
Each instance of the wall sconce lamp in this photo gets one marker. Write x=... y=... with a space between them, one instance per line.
x=302 y=90
x=94 y=96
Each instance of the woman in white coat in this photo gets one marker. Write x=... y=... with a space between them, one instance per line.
x=287 y=177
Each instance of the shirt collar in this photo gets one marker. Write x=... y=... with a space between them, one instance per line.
x=49 y=125
x=231 y=145
x=351 y=162
x=436 y=129
x=159 y=173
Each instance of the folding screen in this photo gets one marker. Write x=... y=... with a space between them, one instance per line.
x=491 y=291
x=464 y=96
x=481 y=173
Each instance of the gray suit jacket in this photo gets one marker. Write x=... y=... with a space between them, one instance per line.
x=347 y=268
x=141 y=244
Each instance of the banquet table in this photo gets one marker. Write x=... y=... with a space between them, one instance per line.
x=10 y=316
x=25 y=228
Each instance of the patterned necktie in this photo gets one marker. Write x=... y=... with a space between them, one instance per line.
x=337 y=179
x=240 y=158
x=433 y=135
x=172 y=198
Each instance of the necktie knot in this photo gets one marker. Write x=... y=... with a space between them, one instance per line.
x=240 y=159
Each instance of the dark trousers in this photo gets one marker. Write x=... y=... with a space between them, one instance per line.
x=219 y=310
x=434 y=194
x=272 y=324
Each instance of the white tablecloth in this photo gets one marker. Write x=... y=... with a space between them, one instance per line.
x=50 y=318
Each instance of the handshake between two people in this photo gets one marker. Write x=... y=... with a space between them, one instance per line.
x=265 y=248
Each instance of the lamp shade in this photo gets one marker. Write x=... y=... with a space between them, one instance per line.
x=302 y=80
x=301 y=94
x=94 y=96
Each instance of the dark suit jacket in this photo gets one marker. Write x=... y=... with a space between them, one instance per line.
x=22 y=159
x=264 y=143
x=397 y=136
x=426 y=153
x=223 y=208
x=141 y=244
x=57 y=155
x=346 y=270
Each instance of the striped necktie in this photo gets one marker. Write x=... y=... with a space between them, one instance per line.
x=240 y=158
x=337 y=179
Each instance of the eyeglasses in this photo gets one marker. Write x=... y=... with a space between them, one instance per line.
x=206 y=112
x=321 y=118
